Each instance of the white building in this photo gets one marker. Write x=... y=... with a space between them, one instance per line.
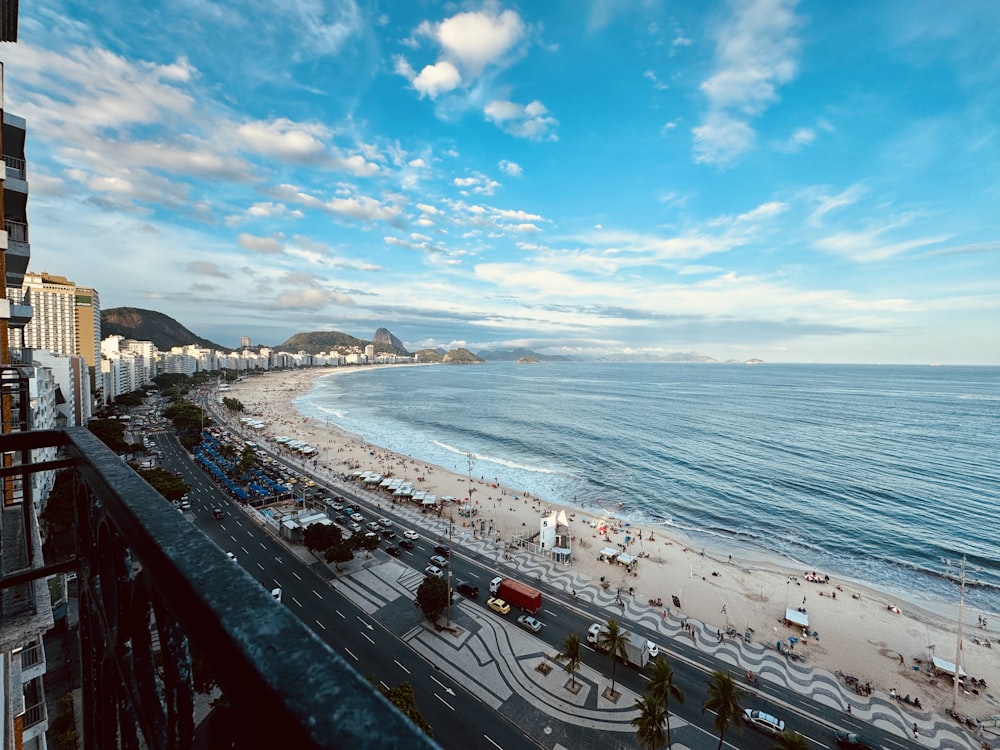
x=73 y=384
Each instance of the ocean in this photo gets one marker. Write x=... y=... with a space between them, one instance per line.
x=886 y=475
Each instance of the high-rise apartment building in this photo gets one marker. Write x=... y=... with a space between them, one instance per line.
x=66 y=318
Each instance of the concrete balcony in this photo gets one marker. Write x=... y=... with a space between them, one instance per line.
x=164 y=614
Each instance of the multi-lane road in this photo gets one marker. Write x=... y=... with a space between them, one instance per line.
x=454 y=706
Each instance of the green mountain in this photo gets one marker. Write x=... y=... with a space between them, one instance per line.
x=315 y=342
x=149 y=325
x=462 y=357
x=384 y=336
x=512 y=355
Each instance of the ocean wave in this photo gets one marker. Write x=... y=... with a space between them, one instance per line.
x=493 y=460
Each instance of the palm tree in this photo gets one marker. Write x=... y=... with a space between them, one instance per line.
x=661 y=687
x=724 y=700
x=572 y=655
x=649 y=723
x=791 y=741
x=613 y=639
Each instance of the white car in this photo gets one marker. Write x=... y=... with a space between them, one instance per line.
x=231 y=556
x=276 y=593
x=410 y=534
x=765 y=722
x=434 y=570
x=529 y=623
x=357 y=517
x=373 y=526
x=355 y=527
x=653 y=650
x=385 y=523
x=439 y=561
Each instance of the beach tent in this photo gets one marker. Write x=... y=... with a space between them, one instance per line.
x=946 y=667
x=625 y=559
x=608 y=552
x=794 y=617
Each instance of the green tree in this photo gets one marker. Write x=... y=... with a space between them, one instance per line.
x=319 y=537
x=369 y=543
x=724 y=701
x=247 y=459
x=111 y=432
x=662 y=688
x=791 y=741
x=403 y=698
x=432 y=597
x=340 y=552
x=613 y=640
x=572 y=655
x=648 y=724
x=233 y=404
x=169 y=485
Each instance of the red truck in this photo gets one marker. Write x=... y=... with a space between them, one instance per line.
x=517 y=594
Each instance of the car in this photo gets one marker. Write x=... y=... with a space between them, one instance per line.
x=467 y=589
x=373 y=526
x=342 y=520
x=393 y=550
x=406 y=544
x=355 y=527
x=763 y=721
x=653 y=650
x=336 y=504
x=388 y=534
x=276 y=594
x=231 y=556
x=184 y=504
x=443 y=549
x=529 y=623
x=434 y=570
x=854 y=741
x=385 y=523
x=498 y=605
x=411 y=534
x=441 y=562
x=217 y=514
x=357 y=517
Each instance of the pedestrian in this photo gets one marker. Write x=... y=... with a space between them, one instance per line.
x=901 y=659
x=916 y=731
x=848 y=709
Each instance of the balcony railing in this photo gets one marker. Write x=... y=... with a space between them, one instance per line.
x=166 y=618
x=15 y=167
x=32 y=655
x=17 y=231
x=34 y=715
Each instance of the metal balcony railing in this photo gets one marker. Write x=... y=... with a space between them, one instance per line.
x=15 y=167
x=17 y=231
x=32 y=655
x=167 y=621
x=34 y=715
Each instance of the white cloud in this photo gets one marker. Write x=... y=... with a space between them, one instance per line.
x=267 y=245
x=477 y=39
x=756 y=53
x=437 y=79
x=828 y=203
x=205 y=268
x=797 y=140
x=284 y=139
x=867 y=247
x=511 y=168
x=524 y=121
x=763 y=211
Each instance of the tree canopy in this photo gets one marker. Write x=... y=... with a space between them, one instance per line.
x=432 y=597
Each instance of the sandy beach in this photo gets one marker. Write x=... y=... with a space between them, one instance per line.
x=860 y=631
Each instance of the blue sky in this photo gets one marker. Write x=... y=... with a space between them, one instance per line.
x=793 y=181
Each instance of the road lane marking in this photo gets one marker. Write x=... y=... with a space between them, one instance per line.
x=260 y=566
x=367 y=638
x=448 y=690
x=444 y=701
x=296 y=601
x=320 y=624
x=296 y=575
x=402 y=667
x=262 y=545
x=350 y=654
x=318 y=595
x=491 y=742
x=245 y=550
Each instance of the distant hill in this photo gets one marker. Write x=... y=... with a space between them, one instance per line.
x=149 y=325
x=512 y=355
x=384 y=336
x=325 y=341
x=429 y=355
x=462 y=357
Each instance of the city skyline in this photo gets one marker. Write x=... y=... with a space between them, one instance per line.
x=759 y=179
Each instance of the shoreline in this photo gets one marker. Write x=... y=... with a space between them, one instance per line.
x=857 y=632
